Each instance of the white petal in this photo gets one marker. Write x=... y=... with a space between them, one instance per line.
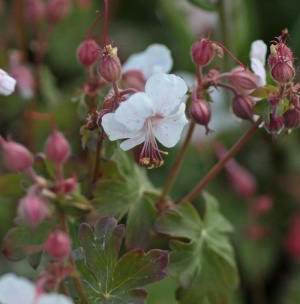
x=259 y=51
x=134 y=62
x=157 y=60
x=165 y=92
x=132 y=142
x=258 y=68
x=54 y=299
x=133 y=112
x=168 y=130
x=16 y=290
x=7 y=83
x=114 y=129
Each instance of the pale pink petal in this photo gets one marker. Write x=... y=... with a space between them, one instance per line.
x=134 y=62
x=54 y=299
x=114 y=129
x=165 y=92
x=133 y=112
x=132 y=142
x=259 y=51
x=16 y=290
x=168 y=130
x=259 y=70
x=7 y=83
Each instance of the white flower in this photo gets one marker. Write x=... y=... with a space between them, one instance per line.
x=17 y=290
x=7 y=83
x=144 y=117
x=155 y=59
x=258 y=60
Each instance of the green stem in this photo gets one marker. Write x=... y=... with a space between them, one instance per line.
x=97 y=161
x=177 y=163
x=221 y=163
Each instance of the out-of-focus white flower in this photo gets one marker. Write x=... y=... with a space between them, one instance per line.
x=144 y=117
x=17 y=290
x=155 y=59
x=258 y=59
x=7 y=83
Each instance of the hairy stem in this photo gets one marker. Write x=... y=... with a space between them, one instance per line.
x=177 y=163
x=221 y=163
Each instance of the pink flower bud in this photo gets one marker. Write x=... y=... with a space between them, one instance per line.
x=56 y=10
x=261 y=205
x=110 y=66
x=291 y=118
x=7 y=83
x=87 y=53
x=275 y=125
x=283 y=72
x=32 y=208
x=57 y=148
x=202 y=52
x=34 y=11
x=242 y=106
x=58 y=245
x=292 y=242
x=16 y=156
x=200 y=113
x=243 y=80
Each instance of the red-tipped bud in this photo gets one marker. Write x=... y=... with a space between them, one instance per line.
x=283 y=72
x=16 y=156
x=134 y=79
x=261 y=205
x=200 y=113
x=243 y=80
x=69 y=184
x=34 y=11
x=291 y=118
x=275 y=125
x=292 y=242
x=57 y=148
x=110 y=66
x=56 y=10
x=202 y=52
x=32 y=208
x=58 y=245
x=242 y=106
x=87 y=53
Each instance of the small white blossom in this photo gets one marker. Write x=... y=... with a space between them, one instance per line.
x=258 y=60
x=17 y=290
x=155 y=59
x=7 y=83
x=156 y=114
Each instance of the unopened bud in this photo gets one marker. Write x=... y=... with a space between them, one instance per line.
x=58 y=245
x=242 y=106
x=87 y=53
x=283 y=72
x=275 y=125
x=201 y=113
x=56 y=10
x=110 y=66
x=261 y=205
x=57 y=148
x=291 y=118
x=202 y=52
x=32 y=208
x=16 y=156
x=243 y=80
x=34 y=11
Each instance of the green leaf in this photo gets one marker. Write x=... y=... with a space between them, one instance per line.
x=9 y=185
x=204 y=4
x=85 y=134
x=106 y=279
x=133 y=195
x=201 y=257
x=262 y=108
x=264 y=92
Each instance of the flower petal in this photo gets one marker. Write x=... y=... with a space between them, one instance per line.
x=16 y=290
x=258 y=68
x=133 y=112
x=259 y=51
x=7 y=83
x=132 y=142
x=114 y=129
x=155 y=59
x=165 y=92
x=168 y=130
x=54 y=299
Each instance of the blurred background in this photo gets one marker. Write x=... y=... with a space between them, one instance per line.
x=261 y=198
